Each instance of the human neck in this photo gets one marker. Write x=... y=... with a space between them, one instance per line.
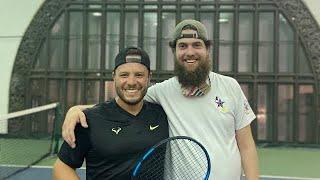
x=132 y=109
x=203 y=83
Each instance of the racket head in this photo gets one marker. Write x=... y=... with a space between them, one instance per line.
x=178 y=157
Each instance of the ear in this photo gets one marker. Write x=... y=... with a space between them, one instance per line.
x=208 y=52
x=113 y=74
x=150 y=76
x=173 y=50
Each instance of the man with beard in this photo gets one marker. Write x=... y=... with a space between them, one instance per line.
x=201 y=104
x=120 y=130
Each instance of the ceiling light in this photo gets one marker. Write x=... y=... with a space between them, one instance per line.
x=97 y=14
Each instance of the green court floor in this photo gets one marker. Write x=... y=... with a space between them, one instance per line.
x=299 y=162
x=293 y=162
x=275 y=161
x=23 y=151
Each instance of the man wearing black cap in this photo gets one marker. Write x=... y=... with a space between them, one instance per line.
x=204 y=105
x=120 y=130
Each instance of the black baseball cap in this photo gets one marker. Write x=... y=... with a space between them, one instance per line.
x=132 y=55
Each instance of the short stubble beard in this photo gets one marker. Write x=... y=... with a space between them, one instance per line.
x=130 y=102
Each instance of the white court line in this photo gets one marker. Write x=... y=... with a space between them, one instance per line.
x=287 y=177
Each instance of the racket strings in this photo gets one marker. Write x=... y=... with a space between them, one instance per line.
x=153 y=167
x=188 y=160
x=178 y=159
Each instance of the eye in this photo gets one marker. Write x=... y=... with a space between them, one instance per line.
x=139 y=75
x=197 y=45
x=123 y=75
x=182 y=46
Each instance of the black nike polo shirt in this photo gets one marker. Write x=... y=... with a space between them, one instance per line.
x=115 y=139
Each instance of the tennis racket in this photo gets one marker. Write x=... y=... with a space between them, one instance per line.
x=175 y=158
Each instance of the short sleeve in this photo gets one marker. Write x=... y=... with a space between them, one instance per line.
x=75 y=157
x=243 y=112
x=151 y=95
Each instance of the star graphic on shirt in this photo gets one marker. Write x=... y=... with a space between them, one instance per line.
x=219 y=102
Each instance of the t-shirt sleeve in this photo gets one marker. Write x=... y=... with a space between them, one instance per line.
x=151 y=95
x=243 y=112
x=75 y=157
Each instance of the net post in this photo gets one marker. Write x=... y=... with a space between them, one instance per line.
x=57 y=130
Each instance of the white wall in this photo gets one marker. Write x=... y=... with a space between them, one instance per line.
x=314 y=6
x=15 y=16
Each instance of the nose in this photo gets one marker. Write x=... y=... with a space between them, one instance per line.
x=190 y=51
x=131 y=80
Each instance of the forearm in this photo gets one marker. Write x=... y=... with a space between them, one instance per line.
x=74 y=115
x=82 y=107
x=249 y=159
x=61 y=171
x=248 y=152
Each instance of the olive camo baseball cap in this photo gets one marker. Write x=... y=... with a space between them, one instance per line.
x=201 y=32
x=133 y=55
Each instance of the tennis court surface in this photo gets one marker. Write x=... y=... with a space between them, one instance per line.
x=275 y=163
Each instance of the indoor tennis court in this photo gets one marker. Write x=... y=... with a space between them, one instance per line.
x=63 y=51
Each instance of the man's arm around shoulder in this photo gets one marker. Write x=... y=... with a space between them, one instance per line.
x=61 y=171
x=74 y=116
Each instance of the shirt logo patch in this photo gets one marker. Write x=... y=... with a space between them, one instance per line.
x=153 y=127
x=247 y=108
x=220 y=105
x=116 y=130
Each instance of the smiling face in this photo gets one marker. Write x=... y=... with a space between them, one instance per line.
x=192 y=63
x=131 y=82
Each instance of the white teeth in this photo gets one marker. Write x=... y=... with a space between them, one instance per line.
x=190 y=61
x=131 y=90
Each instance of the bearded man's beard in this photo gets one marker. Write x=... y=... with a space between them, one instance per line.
x=192 y=78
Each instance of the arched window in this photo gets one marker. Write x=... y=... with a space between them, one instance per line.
x=258 y=42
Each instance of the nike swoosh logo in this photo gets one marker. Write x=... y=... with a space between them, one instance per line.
x=153 y=127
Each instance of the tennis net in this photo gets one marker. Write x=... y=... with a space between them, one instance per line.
x=30 y=138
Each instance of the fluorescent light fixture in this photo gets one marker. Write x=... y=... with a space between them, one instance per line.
x=223 y=20
x=97 y=14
